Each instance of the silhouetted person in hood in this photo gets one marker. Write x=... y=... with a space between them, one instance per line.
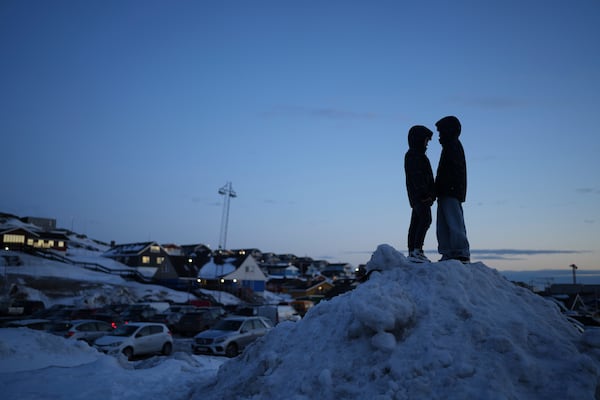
x=451 y=190
x=420 y=187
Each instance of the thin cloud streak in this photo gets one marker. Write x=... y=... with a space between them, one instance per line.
x=497 y=254
x=587 y=190
x=527 y=252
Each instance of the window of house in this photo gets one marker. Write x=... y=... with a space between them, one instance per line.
x=14 y=238
x=145 y=259
x=160 y=260
x=29 y=242
x=155 y=249
x=61 y=244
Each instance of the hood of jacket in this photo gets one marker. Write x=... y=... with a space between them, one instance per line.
x=416 y=137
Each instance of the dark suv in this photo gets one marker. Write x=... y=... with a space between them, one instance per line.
x=197 y=321
x=138 y=313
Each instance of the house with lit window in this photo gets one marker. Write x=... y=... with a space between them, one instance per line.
x=23 y=239
x=186 y=261
x=233 y=271
x=149 y=259
x=317 y=288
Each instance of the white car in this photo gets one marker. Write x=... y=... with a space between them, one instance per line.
x=231 y=335
x=137 y=338
x=81 y=329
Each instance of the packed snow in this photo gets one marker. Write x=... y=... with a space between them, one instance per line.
x=412 y=331
x=419 y=331
x=38 y=365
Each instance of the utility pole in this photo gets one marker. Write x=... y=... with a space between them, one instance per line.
x=228 y=193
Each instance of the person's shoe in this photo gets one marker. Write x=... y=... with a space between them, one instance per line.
x=413 y=256
x=462 y=259
x=417 y=256
x=422 y=256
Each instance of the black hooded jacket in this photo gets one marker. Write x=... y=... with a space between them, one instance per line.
x=451 y=178
x=420 y=185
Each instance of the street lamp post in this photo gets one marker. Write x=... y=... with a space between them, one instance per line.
x=228 y=193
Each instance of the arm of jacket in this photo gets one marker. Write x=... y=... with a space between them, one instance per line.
x=451 y=178
x=420 y=184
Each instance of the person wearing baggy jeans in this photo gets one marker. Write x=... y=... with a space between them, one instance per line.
x=451 y=190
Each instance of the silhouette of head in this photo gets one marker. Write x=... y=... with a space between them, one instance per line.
x=418 y=136
x=448 y=127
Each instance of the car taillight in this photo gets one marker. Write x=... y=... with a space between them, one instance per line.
x=69 y=334
x=169 y=332
x=114 y=325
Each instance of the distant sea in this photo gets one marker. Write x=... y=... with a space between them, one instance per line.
x=545 y=277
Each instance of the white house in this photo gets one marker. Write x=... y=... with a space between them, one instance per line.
x=233 y=270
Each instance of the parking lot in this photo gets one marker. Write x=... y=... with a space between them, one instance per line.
x=143 y=330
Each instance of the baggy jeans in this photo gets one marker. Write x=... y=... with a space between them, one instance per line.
x=451 y=231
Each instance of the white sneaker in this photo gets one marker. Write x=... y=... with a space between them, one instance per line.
x=423 y=257
x=418 y=256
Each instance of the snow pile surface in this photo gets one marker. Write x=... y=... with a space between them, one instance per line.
x=41 y=351
x=39 y=365
x=419 y=331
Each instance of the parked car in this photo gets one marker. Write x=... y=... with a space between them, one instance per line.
x=231 y=335
x=83 y=313
x=57 y=312
x=113 y=319
x=113 y=308
x=139 y=313
x=287 y=313
x=87 y=330
x=33 y=323
x=268 y=311
x=275 y=313
x=137 y=338
x=172 y=314
x=197 y=321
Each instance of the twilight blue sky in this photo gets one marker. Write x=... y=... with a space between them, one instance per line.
x=122 y=119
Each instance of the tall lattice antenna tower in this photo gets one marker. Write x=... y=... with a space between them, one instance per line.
x=228 y=193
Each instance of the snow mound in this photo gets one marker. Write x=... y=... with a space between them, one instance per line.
x=418 y=331
x=39 y=365
x=43 y=350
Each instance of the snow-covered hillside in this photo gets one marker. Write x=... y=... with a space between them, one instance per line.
x=55 y=282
